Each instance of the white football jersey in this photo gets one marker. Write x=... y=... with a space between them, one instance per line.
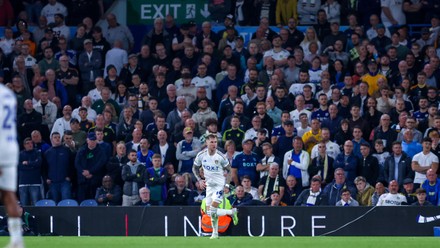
x=8 y=127
x=213 y=166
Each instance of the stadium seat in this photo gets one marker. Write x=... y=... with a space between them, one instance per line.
x=68 y=203
x=89 y=203
x=45 y=203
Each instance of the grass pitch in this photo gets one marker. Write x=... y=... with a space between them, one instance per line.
x=230 y=242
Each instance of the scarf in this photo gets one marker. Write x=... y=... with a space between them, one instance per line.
x=311 y=200
x=274 y=188
x=324 y=173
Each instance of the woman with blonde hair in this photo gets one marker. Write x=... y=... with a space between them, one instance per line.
x=310 y=36
x=230 y=150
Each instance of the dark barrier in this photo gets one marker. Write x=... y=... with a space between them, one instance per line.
x=254 y=221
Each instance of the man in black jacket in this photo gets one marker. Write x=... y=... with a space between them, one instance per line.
x=369 y=165
x=313 y=196
x=404 y=165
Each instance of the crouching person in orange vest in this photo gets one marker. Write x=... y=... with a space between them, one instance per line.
x=223 y=220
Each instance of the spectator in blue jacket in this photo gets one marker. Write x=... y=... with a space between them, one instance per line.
x=349 y=162
x=240 y=197
x=90 y=162
x=54 y=87
x=58 y=178
x=334 y=189
x=29 y=174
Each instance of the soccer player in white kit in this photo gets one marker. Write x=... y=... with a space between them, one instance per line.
x=8 y=164
x=214 y=165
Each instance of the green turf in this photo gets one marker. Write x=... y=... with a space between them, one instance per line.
x=229 y=242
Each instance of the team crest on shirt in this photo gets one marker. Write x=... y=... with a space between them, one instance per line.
x=216 y=161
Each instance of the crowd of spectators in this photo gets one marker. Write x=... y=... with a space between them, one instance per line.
x=325 y=117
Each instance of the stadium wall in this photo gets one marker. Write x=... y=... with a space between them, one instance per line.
x=254 y=221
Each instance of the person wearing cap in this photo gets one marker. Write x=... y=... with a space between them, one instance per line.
x=90 y=162
x=186 y=150
x=408 y=190
x=432 y=187
x=245 y=163
x=421 y=198
x=372 y=76
x=58 y=176
x=52 y=8
x=131 y=69
x=89 y=63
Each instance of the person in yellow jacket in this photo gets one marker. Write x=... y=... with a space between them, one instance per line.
x=372 y=76
x=285 y=9
x=312 y=137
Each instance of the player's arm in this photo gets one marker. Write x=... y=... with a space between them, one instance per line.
x=234 y=176
x=196 y=172
x=227 y=169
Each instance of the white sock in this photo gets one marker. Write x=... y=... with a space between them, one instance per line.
x=14 y=227
x=214 y=220
x=222 y=212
